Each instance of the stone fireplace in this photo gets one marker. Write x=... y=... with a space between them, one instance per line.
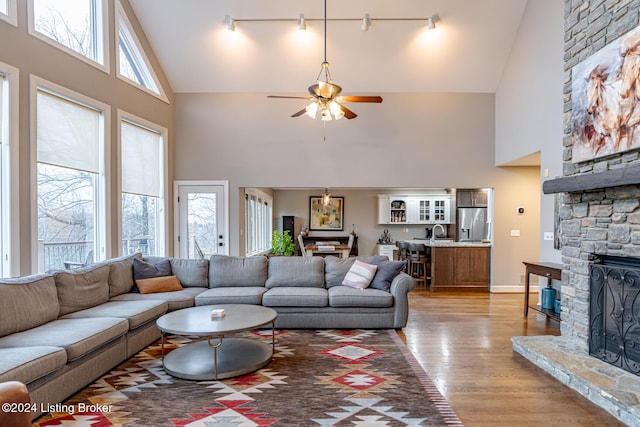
x=599 y=210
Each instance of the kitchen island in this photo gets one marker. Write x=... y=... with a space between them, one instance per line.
x=459 y=265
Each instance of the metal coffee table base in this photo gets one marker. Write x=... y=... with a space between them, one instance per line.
x=217 y=358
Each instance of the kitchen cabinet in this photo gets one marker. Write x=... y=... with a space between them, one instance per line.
x=387 y=250
x=461 y=267
x=471 y=198
x=414 y=209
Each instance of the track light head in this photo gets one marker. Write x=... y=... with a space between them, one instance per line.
x=302 y=23
x=230 y=22
x=366 y=22
x=431 y=21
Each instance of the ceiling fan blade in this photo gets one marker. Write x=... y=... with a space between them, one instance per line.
x=299 y=113
x=355 y=98
x=288 y=97
x=347 y=113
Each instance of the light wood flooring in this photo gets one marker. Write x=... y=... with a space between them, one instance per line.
x=463 y=341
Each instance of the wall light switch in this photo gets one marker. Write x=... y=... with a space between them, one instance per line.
x=548 y=235
x=515 y=233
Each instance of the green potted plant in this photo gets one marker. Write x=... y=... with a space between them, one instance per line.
x=282 y=243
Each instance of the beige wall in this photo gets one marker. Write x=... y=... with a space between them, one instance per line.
x=34 y=57
x=411 y=140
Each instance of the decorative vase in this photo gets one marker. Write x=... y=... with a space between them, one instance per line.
x=556 y=308
x=549 y=297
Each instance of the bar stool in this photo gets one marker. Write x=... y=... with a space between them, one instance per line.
x=403 y=254
x=420 y=263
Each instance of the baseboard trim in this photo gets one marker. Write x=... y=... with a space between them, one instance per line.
x=511 y=289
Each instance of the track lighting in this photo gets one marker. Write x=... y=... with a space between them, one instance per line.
x=366 y=22
x=230 y=22
x=431 y=22
x=302 y=24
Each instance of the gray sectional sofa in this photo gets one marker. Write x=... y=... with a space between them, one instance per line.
x=61 y=331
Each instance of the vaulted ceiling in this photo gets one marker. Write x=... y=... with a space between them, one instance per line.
x=465 y=53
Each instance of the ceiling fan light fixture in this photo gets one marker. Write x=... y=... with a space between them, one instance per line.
x=366 y=22
x=312 y=110
x=230 y=22
x=302 y=23
x=335 y=110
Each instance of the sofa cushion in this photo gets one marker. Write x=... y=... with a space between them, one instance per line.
x=295 y=297
x=82 y=288
x=16 y=314
x=360 y=275
x=121 y=274
x=77 y=336
x=176 y=300
x=27 y=364
x=335 y=269
x=386 y=272
x=344 y=296
x=296 y=271
x=155 y=285
x=191 y=272
x=227 y=270
x=137 y=313
x=232 y=295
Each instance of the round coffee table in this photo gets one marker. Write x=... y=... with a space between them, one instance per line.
x=225 y=357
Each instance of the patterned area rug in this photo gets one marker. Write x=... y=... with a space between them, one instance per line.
x=316 y=378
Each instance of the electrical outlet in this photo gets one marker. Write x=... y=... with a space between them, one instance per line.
x=515 y=233
x=548 y=235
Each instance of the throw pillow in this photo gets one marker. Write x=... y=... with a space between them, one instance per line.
x=387 y=271
x=159 y=284
x=147 y=270
x=360 y=275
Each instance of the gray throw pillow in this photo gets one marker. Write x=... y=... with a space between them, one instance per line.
x=387 y=271
x=146 y=270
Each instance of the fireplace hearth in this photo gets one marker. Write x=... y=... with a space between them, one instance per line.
x=614 y=311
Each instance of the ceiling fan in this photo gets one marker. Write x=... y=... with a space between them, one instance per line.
x=325 y=95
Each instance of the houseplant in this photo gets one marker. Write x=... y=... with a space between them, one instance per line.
x=282 y=243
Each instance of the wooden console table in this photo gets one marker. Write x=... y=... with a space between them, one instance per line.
x=550 y=270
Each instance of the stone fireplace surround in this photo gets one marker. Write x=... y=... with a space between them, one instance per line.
x=599 y=214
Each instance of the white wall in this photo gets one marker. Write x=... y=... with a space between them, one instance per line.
x=529 y=101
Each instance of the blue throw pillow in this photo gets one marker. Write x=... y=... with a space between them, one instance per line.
x=387 y=271
x=146 y=270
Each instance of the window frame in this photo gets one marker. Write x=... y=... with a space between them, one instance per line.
x=103 y=187
x=263 y=212
x=10 y=189
x=101 y=30
x=11 y=17
x=163 y=222
x=152 y=76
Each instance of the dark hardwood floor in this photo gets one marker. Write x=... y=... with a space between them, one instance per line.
x=463 y=341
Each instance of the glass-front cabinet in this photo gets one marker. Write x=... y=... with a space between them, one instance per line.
x=414 y=209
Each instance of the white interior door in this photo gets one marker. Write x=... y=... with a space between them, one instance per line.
x=201 y=218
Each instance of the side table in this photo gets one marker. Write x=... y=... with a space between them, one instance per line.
x=550 y=270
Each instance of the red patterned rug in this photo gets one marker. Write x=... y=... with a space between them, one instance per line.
x=316 y=378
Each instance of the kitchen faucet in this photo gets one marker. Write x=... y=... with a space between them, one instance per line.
x=433 y=231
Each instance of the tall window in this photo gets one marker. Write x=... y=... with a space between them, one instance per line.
x=9 y=223
x=133 y=64
x=8 y=11
x=77 y=26
x=259 y=220
x=70 y=184
x=142 y=166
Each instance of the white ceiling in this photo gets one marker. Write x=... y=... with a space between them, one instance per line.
x=466 y=53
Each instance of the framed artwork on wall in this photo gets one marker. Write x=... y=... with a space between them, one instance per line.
x=329 y=217
x=605 y=100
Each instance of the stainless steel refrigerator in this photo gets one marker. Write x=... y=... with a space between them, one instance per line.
x=472 y=224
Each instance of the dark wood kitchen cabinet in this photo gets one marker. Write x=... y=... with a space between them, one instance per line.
x=461 y=267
